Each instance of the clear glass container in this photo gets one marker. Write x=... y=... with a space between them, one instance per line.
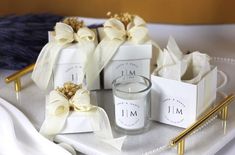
x=132 y=103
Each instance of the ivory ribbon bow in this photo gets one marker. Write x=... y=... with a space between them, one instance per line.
x=57 y=111
x=65 y=35
x=116 y=34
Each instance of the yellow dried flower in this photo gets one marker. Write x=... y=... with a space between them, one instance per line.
x=74 y=23
x=69 y=89
x=125 y=18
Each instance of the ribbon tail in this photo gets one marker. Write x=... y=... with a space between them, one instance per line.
x=44 y=65
x=102 y=55
x=53 y=124
x=105 y=132
x=88 y=47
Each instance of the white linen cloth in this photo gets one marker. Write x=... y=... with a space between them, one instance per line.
x=19 y=137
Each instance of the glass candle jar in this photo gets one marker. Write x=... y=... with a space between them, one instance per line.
x=132 y=102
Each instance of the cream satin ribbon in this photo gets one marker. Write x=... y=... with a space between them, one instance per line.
x=57 y=111
x=84 y=39
x=116 y=34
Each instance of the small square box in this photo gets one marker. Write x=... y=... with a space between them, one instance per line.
x=180 y=104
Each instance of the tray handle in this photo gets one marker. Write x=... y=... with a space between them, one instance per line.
x=16 y=77
x=221 y=108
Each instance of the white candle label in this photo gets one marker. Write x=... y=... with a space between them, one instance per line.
x=68 y=72
x=129 y=114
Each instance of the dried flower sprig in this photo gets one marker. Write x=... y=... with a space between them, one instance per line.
x=69 y=89
x=74 y=23
x=125 y=18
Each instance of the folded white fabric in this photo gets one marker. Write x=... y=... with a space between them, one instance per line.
x=172 y=64
x=18 y=135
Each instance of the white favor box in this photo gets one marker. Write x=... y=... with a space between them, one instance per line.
x=129 y=59
x=69 y=67
x=78 y=122
x=180 y=104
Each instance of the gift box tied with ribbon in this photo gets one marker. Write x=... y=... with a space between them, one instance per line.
x=125 y=49
x=65 y=57
x=68 y=110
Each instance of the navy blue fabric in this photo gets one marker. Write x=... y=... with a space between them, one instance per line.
x=22 y=38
